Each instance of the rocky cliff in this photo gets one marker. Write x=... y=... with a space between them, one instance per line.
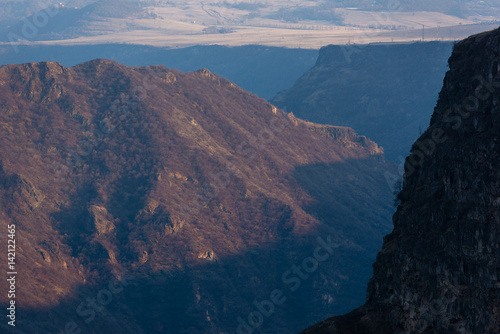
x=148 y=200
x=438 y=271
x=385 y=92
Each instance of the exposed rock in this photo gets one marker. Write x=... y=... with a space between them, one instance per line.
x=174 y=224
x=438 y=271
x=24 y=193
x=385 y=92
x=206 y=73
x=208 y=255
x=170 y=78
x=143 y=257
x=101 y=220
x=347 y=136
x=151 y=206
x=45 y=255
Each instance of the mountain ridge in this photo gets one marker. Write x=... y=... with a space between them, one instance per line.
x=384 y=92
x=191 y=194
x=438 y=270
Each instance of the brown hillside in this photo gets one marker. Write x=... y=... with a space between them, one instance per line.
x=201 y=192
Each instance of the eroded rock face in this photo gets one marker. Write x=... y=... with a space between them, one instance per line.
x=101 y=220
x=438 y=271
x=384 y=92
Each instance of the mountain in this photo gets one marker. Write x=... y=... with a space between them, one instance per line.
x=147 y=200
x=259 y=69
x=460 y=8
x=15 y=10
x=56 y=21
x=385 y=92
x=438 y=270
x=291 y=24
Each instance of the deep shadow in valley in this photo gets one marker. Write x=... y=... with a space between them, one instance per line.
x=197 y=299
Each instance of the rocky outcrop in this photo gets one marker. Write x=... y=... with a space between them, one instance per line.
x=101 y=220
x=439 y=270
x=346 y=135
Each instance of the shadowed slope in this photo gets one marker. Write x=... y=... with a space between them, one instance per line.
x=438 y=270
x=196 y=188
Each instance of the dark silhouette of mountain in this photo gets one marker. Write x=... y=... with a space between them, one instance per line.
x=147 y=200
x=385 y=92
x=261 y=70
x=438 y=270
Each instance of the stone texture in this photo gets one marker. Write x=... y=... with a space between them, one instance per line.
x=438 y=270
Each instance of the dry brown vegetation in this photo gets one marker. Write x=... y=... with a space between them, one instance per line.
x=202 y=192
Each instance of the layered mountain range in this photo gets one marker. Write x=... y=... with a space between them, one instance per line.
x=384 y=91
x=261 y=70
x=147 y=200
x=53 y=21
x=438 y=271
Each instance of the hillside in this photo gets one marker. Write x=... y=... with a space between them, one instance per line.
x=57 y=22
x=385 y=92
x=292 y=23
x=459 y=8
x=147 y=200
x=438 y=270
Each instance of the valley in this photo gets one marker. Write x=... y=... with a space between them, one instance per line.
x=438 y=270
x=250 y=167
x=290 y=24
x=261 y=70
x=385 y=92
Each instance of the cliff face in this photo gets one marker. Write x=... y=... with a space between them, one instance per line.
x=385 y=92
x=438 y=271
x=153 y=201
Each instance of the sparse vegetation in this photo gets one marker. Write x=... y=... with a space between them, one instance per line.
x=217 y=30
x=249 y=6
x=130 y=170
x=294 y=23
x=385 y=92
x=323 y=12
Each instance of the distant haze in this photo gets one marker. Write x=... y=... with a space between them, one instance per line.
x=290 y=23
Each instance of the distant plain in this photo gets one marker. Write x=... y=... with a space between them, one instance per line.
x=280 y=23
